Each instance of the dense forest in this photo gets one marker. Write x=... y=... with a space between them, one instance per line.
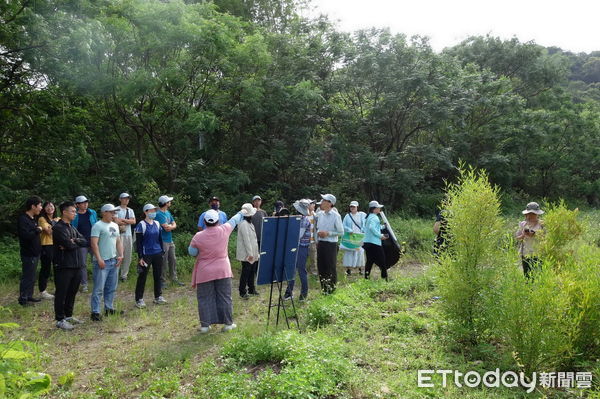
x=238 y=97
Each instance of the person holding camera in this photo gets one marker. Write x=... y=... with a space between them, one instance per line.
x=528 y=235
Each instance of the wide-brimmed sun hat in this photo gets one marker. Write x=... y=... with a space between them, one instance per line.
x=533 y=207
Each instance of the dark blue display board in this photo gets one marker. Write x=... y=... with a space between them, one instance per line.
x=278 y=249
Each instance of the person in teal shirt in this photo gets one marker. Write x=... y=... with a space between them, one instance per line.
x=168 y=224
x=372 y=242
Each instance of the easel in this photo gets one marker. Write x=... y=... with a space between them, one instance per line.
x=278 y=272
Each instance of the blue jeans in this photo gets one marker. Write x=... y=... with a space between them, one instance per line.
x=105 y=283
x=301 y=268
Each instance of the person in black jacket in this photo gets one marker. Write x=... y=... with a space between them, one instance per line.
x=31 y=248
x=69 y=261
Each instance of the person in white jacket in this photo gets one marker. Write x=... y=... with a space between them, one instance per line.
x=247 y=252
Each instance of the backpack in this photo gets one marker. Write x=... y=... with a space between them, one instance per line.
x=143 y=224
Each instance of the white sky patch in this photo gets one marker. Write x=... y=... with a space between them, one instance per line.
x=572 y=25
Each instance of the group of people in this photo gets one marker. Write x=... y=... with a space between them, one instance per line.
x=320 y=232
x=62 y=245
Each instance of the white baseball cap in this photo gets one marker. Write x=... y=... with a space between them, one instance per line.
x=329 y=197
x=108 y=208
x=256 y=197
x=354 y=203
x=211 y=216
x=124 y=195
x=80 y=199
x=164 y=199
x=148 y=207
x=375 y=204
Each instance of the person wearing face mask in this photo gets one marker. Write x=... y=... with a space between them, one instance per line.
x=150 y=253
x=214 y=203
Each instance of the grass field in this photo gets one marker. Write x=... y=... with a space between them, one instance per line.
x=368 y=340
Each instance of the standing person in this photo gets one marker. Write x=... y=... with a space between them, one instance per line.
x=150 y=253
x=108 y=255
x=312 y=248
x=215 y=204
x=212 y=272
x=67 y=241
x=257 y=221
x=528 y=235
x=329 y=229
x=30 y=248
x=46 y=221
x=247 y=251
x=84 y=220
x=353 y=223
x=125 y=219
x=372 y=243
x=168 y=224
x=257 y=218
x=302 y=207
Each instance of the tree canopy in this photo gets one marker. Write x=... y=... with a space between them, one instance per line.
x=235 y=97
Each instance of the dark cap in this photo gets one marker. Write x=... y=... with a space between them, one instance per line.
x=214 y=198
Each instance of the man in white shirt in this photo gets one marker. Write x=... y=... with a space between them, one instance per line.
x=125 y=218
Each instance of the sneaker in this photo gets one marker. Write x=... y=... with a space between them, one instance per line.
x=302 y=298
x=34 y=300
x=96 y=317
x=254 y=293
x=245 y=296
x=360 y=271
x=83 y=288
x=228 y=327
x=73 y=320
x=287 y=297
x=160 y=300
x=204 y=330
x=348 y=272
x=64 y=325
x=123 y=279
x=25 y=304
x=140 y=304
x=178 y=283
x=46 y=295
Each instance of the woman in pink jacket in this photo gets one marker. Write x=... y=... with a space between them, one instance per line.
x=212 y=272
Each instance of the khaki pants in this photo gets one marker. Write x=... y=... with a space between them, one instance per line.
x=169 y=262
x=127 y=241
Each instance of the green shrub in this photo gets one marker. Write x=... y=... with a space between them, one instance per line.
x=285 y=364
x=10 y=260
x=561 y=228
x=552 y=321
x=467 y=272
x=533 y=319
x=16 y=381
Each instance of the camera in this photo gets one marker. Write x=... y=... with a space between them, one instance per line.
x=527 y=230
